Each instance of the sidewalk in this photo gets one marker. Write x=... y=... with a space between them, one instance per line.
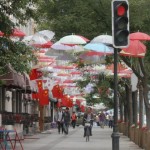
x=101 y=140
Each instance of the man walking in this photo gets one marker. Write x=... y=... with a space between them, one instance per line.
x=59 y=120
x=66 y=120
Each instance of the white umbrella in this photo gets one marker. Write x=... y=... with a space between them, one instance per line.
x=34 y=39
x=73 y=39
x=48 y=35
x=62 y=47
x=27 y=39
x=105 y=39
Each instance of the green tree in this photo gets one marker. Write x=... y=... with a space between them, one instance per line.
x=21 y=10
x=15 y=53
x=87 y=18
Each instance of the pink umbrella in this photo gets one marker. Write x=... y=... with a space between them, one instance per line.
x=44 y=45
x=75 y=73
x=135 y=49
x=63 y=67
x=15 y=32
x=139 y=36
x=63 y=74
x=68 y=81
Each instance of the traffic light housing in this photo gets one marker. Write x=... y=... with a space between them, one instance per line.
x=120 y=23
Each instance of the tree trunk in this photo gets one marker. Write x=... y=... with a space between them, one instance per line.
x=121 y=109
x=140 y=106
x=130 y=106
x=135 y=113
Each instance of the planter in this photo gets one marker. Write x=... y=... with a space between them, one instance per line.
x=140 y=138
x=136 y=136
x=147 y=147
x=132 y=133
x=144 y=139
x=125 y=128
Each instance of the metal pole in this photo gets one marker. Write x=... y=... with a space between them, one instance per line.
x=115 y=135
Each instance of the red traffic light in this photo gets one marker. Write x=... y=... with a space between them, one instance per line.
x=121 y=9
x=120 y=23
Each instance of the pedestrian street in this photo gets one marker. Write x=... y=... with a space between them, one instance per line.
x=101 y=140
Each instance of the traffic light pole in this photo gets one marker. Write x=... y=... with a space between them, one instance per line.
x=115 y=135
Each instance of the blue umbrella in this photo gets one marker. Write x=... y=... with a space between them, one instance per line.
x=99 y=47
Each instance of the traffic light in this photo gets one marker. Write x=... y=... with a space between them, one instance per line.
x=120 y=23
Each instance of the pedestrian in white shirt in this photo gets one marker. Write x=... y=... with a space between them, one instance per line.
x=59 y=120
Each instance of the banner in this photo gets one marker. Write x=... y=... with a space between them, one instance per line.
x=35 y=74
x=39 y=84
x=44 y=97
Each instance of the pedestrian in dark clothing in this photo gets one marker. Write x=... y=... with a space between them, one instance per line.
x=66 y=120
x=89 y=117
x=102 y=118
x=110 y=120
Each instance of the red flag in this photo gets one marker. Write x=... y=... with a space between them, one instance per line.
x=58 y=104
x=66 y=101
x=39 y=74
x=32 y=74
x=82 y=108
x=43 y=97
x=35 y=96
x=70 y=103
x=39 y=84
x=57 y=91
x=35 y=74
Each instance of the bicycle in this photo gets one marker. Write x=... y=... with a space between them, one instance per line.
x=87 y=131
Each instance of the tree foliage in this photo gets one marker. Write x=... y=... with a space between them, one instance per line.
x=12 y=14
x=81 y=17
x=21 y=10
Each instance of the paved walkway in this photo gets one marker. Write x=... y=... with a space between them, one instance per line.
x=101 y=140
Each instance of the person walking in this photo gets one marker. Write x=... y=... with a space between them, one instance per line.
x=97 y=120
x=110 y=120
x=89 y=117
x=107 y=119
x=102 y=119
x=59 y=120
x=66 y=120
x=73 y=119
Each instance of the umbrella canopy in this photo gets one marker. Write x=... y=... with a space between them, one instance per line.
x=15 y=32
x=60 y=46
x=135 y=49
x=139 y=36
x=64 y=47
x=52 y=52
x=73 y=40
x=99 y=47
x=48 y=35
x=46 y=45
x=105 y=39
x=66 y=57
x=38 y=41
x=95 y=59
